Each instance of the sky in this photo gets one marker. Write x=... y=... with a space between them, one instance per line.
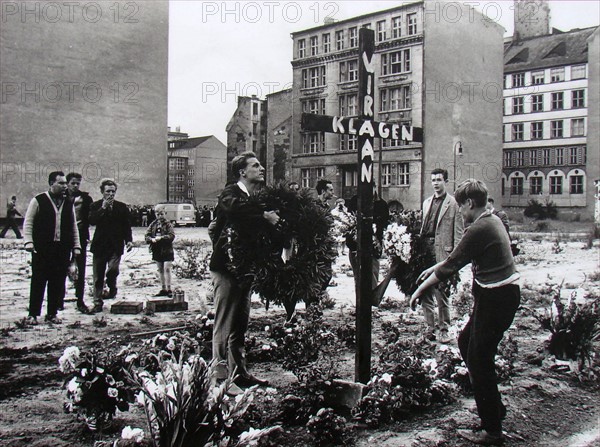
x=221 y=50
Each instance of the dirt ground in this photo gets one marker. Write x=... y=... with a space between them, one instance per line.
x=547 y=407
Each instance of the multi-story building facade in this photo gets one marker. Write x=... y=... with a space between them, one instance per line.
x=197 y=170
x=279 y=135
x=547 y=81
x=418 y=82
x=247 y=129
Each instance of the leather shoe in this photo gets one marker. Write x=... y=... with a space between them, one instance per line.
x=84 y=309
x=250 y=380
x=112 y=293
x=482 y=437
x=97 y=309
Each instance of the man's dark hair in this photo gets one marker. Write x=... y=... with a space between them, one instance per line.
x=471 y=189
x=322 y=185
x=490 y=200
x=108 y=182
x=13 y=198
x=240 y=162
x=71 y=175
x=53 y=175
x=444 y=172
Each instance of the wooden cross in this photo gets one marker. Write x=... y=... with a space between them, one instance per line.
x=366 y=129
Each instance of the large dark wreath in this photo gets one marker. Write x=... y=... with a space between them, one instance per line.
x=255 y=256
x=421 y=259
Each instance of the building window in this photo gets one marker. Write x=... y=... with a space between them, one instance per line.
x=353 y=35
x=557 y=74
x=507 y=159
x=516 y=186
x=518 y=105
x=518 y=80
x=546 y=157
x=348 y=71
x=313 y=77
x=381 y=32
x=339 y=40
x=411 y=23
x=254 y=129
x=326 y=43
x=577 y=127
x=520 y=158
x=301 y=48
x=191 y=172
x=578 y=99
x=576 y=184
x=396 y=27
x=560 y=155
x=555 y=185
x=313 y=142
x=556 y=129
x=386 y=175
x=179 y=188
x=535 y=185
x=319 y=173
x=573 y=155
x=517 y=132
x=315 y=106
x=395 y=98
x=387 y=143
x=403 y=174
x=191 y=182
x=537 y=130
x=505 y=82
x=305 y=178
x=537 y=77
x=348 y=142
x=314 y=45
x=190 y=193
x=577 y=72
x=348 y=105
x=557 y=100
x=396 y=62
x=533 y=161
x=179 y=164
x=180 y=178
x=537 y=103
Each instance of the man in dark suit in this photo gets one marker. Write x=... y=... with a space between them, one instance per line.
x=82 y=202
x=113 y=233
x=232 y=300
x=51 y=237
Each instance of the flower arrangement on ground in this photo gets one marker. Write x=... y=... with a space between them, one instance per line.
x=404 y=245
x=95 y=385
x=288 y=266
x=183 y=409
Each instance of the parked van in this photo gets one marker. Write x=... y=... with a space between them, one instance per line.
x=180 y=213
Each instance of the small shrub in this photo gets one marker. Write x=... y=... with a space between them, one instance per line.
x=556 y=247
x=193 y=260
x=534 y=209
x=541 y=226
x=327 y=428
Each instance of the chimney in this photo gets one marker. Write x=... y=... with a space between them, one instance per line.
x=531 y=18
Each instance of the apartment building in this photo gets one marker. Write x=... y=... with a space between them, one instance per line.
x=547 y=83
x=418 y=82
x=247 y=129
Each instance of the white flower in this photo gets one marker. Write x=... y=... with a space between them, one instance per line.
x=135 y=434
x=130 y=358
x=68 y=361
x=386 y=378
x=112 y=392
x=110 y=380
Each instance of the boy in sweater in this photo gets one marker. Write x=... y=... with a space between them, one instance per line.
x=486 y=245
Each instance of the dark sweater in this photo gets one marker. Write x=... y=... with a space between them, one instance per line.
x=486 y=244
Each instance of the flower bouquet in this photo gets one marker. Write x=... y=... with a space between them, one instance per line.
x=407 y=249
x=95 y=386
x=290 y=264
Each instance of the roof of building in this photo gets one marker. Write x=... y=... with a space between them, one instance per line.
x=553 y=50
x=358 y=18
x=191 y=143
